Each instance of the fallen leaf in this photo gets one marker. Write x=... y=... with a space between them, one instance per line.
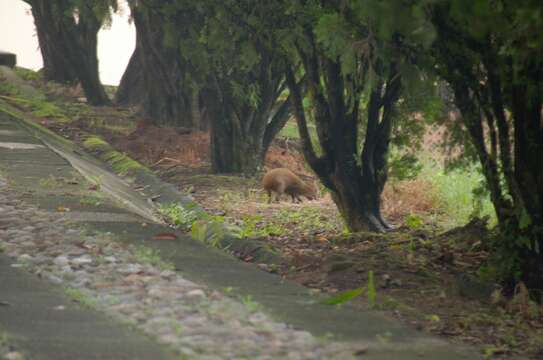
x=165 y=236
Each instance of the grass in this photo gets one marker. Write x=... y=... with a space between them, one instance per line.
x=307 y=218
x=39 y=105
x=178 y=215
x=91 y=201
x=454 y=192
x=78 y=296
x=50 y=182
x=152 y=257
x=27 y=74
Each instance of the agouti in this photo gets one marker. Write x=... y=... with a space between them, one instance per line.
x=283 y=181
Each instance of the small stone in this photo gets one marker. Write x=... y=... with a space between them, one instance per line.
x=14 y=355
x=130 y=269
x=82 y=260
x=59 y=308
x=54 y=279
x=167 y=274
x=61 y=261
x=196 y=294
x=24 y=258
x=110 y=259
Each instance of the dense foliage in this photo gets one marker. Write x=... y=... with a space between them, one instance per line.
x=490 y=52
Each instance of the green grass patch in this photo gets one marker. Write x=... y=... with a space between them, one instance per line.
x=91 y=201
x=308 y=219
x=78 y=296
x=27 y=74
x=39 y=105
x=178 y=215
x=459 y=194
x=290 y=130
x=50 y=182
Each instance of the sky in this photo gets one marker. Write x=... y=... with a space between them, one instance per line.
x=18 y=35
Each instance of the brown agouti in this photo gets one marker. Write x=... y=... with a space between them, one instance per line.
x=283 y=181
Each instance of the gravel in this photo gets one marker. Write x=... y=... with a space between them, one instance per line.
x=197 y=322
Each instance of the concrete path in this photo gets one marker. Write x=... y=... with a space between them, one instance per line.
x=35 y=173
x=42 y=321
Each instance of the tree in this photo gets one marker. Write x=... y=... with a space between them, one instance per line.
x=354 y=78
x=234 y=63
x=491 y=54
x=67 y=33
x=156 y=75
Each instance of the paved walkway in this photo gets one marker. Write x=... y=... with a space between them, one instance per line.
x=48 y=181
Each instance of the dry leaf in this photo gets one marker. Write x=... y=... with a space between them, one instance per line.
x=165 y=236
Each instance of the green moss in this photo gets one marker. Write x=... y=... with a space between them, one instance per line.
x=120 y=162
x=39 y=105
x=95 y=143
x=27 y=74
x=43 y=108
x=7 y=89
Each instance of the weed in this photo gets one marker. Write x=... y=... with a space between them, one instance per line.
x=459 y=194
x=307 y=218
x=413 y=221
x=4 y=338
x=344 y=296
x=78 y=296
x=178 y=215
x=211 y=231
x=152 y=257
x=178 y=329
x=250 y=304
x=372 y=291
x=49 y=182
x=95 y=182
x=92 y=201
x=228 y=290
x=43 y=108
x=27 y=74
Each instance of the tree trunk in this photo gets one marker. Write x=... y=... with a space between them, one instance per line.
x=131 y=90
x=356 y=186
x=489 y=84
x=232 y=150
x=241 y=133
x=69 y=48
x=84 y=54
x=358 y=200
x=56 y=66
x=165 y=102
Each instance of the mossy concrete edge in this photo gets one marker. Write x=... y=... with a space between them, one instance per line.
x=162 y=192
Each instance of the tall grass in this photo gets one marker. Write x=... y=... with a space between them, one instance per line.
x=454 y=194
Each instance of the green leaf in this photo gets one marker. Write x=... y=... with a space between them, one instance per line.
x=343 y=296
x=372 y=291
x=525 y=219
